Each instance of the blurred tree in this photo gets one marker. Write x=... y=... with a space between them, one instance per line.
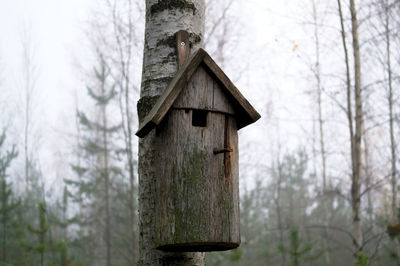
x=8 y=201
x=295 y=252
x=41 y=247
x=93 y=189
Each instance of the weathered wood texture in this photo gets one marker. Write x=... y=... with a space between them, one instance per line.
x=204 y=92
x=163 y=19
x=245 y=113
x=197 y=208
x=182 y=46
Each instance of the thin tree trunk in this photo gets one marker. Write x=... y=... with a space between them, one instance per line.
x=368 y=181
x=26 y=135
x=390 y=100
x=4 y=218
x=106 y=175
x=348 y=82
x=278 y=211
x=163 y=20
x=317 y=73
x=27 y=84
x=125 y=47
x=394 y=218
x=356 y=178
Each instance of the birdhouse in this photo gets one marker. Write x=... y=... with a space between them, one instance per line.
x=196 y=123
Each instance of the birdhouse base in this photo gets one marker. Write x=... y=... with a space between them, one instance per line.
x=199 y=247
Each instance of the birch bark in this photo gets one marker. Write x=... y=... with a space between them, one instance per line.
x=356 y=160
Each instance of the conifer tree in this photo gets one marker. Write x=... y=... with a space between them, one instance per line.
x=8 y=203
x=41 y=247
x=296 y=251
x=96 y=174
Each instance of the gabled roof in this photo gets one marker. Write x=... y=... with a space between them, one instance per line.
x=245 y=116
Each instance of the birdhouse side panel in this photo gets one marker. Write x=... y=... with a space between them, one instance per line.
x=225 y=190
x=235 y=221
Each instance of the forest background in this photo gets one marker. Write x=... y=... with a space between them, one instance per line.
x=69 y=81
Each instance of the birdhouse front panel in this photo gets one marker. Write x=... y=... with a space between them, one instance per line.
x=204 y=92
x=196 y=121
x=198 y=186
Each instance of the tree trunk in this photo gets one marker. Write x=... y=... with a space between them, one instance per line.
x=163 y=19
x=124 y=44
x=368 y=181
x=106 y=174
x=317 y=74
x=356 y=160
x=390 y=100
x=394 y=218
x=278 y=210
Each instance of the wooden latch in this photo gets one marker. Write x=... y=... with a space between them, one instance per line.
x=224 y=150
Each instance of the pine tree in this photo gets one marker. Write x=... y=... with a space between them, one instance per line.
x=95 y=177
x=296 y=251
x=8 y=203
x=40 y=247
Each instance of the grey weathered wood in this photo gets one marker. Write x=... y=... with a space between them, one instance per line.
x=245 y=113
x=195 y=210
x=197 y=94
x=182 y=46
x=234 y=143
x=222 y=100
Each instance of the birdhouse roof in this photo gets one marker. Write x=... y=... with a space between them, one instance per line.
x=245 y=113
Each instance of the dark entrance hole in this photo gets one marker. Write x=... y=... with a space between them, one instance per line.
x=199 y=118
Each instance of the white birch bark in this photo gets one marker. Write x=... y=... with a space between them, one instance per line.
x=356 y=178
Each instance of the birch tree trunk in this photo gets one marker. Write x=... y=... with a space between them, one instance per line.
x=317 y=74
x=106 y=185
x=356 y=159
x=163 y=19
x=390 y=101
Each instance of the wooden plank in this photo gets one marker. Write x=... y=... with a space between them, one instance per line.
x=182 y=46
x=235 y=215
x=216 y=195
x=227 y=155
x=197 y=94
x=221 y=101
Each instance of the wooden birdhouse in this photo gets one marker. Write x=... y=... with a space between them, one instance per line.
x=196 y=123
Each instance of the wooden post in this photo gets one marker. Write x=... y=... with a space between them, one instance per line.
x=182 y=46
